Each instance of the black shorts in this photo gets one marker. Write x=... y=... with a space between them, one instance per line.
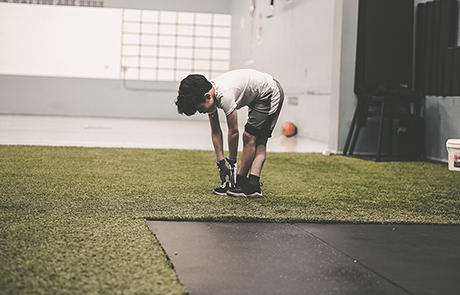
x=260 y=124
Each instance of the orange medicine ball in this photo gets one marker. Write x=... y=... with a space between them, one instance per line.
x=289 y=129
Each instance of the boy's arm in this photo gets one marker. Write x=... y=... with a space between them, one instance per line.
x=216 y=135
x=232 y=124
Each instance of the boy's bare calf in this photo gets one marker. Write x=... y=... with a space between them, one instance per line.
x=252 y=157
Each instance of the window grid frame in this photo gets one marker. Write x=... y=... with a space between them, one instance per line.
x=175 y=70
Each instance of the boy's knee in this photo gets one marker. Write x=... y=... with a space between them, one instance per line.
x=248 y=138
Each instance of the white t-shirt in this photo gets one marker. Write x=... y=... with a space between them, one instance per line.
x=238 y=88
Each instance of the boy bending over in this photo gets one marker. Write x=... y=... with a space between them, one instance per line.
x=263 y=95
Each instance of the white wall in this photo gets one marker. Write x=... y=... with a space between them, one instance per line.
x=345 y=101
x=83 y=42
x=20 y=94
x=311 y=116
x=295 y=46
x=61 y=41
x=207 y=6
x=334 y=108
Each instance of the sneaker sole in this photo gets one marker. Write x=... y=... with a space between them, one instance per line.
x=254 y=195
x=231 y=194
x=218 y=193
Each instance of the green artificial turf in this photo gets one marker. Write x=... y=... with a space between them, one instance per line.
x=73 y=219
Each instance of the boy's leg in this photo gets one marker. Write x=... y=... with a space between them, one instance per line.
x=259 y=159
x=252 y=189
x=261 y=142
x=255 y=126
x=258 y=129
x=247 y=155
x=255 y=138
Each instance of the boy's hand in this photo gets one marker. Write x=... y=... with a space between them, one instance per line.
x=233 y=171
x=223 y=170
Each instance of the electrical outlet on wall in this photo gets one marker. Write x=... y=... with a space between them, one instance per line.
x=293 y=100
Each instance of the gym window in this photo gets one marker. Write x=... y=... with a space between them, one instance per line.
x=169 y=45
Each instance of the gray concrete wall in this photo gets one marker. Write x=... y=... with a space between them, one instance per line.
x=87 y=97
x=442 y=121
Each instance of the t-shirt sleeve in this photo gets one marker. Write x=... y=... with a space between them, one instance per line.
x=228 y=103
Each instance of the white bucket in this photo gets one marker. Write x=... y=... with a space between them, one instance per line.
x=453 y=147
